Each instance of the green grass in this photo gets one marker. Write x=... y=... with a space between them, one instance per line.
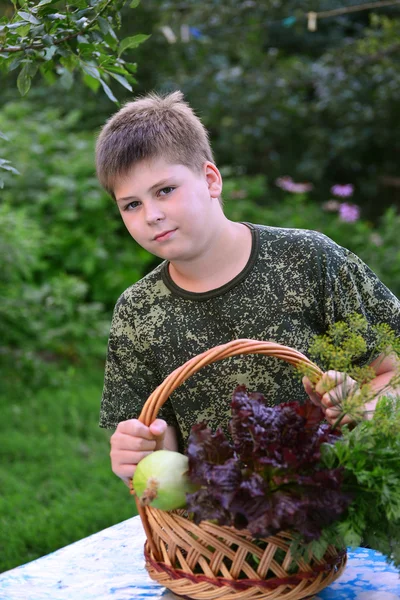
x=56 y=484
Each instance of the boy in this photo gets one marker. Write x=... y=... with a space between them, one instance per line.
x=220 y=280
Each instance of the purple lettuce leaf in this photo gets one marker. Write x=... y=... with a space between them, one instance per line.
x=205 y=507
x=270 y=477
x=206 y=449
x=286 y=435
x=305 y=504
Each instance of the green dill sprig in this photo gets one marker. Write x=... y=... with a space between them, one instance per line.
x=348 y=347
x=369 y=456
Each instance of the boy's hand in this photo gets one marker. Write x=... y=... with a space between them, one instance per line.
x=131 y=442
x=329 y=392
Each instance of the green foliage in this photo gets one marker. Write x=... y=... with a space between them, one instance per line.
x=342 y=344
x=370 y=457
x=55 y=477
x=60 y=41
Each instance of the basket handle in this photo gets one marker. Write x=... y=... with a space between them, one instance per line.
x=242 y=346
x=164 y=390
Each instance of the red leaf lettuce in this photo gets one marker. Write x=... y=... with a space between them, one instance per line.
x=269 y=477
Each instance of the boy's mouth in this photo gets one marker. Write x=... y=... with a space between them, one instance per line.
x=164 y=235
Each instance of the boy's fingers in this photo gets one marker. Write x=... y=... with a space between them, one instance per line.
x=159 y=428
x=128 y=460
x=314 y=397
x=333 y=398
x=135 y=428
x=333 y=414
x=329 y=381
x=307 y=385
x=132 y=443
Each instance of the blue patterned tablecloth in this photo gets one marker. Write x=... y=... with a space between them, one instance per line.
x=109 y=565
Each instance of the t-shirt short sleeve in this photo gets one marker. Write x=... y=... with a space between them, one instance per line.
x=130 y=373
x=352 y=287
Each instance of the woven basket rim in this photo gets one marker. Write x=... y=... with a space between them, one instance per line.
x=244 y=583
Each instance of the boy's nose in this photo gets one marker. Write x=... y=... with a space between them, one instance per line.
x=154 y=215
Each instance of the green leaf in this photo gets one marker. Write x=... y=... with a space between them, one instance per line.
x=32 y=68
x=134 y=3
x=122 y=81
x=328 y=455
x=351 y=537
x=132 y=67
x=132 y=42
x=17 y=25
x=103 y=24
x=14 y=64
x=45 y=2
x=48 y=39
x=28 y=17
x=24 y=80
x=69 y=61
x=91 y=71
x=113 y=69
x=87 y=51
x=10 y=168
x=24 y=29
x=108 y=91
x=3 y=136
x=91 y=83
x=106 y=28
x=49 y=53
x=57 y=16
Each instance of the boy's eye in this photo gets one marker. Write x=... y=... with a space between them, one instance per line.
x=166 y=190
x=132 y=205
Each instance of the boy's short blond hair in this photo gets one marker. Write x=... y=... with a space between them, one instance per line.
x=151 y=127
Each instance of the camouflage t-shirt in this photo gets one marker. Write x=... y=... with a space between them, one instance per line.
x=296 y=283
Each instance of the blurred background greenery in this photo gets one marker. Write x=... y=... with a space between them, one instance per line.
x=305 y=128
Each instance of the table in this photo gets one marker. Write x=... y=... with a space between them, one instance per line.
x=109 y=565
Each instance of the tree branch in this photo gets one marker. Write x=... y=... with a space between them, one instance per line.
x=40 y=46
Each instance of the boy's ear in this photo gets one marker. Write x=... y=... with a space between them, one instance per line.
x=214 y=179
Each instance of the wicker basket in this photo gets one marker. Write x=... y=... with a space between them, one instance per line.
x=209 y=561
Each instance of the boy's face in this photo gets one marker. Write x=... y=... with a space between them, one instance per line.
x=170 y=210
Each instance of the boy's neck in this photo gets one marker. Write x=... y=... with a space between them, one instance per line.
x=222 y=262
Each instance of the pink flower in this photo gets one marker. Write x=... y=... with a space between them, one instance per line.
x=286 y=183
x=349 y=212
x=342 y=190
